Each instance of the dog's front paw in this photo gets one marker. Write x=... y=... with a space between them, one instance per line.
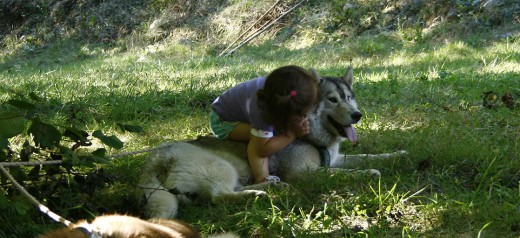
x=373 y=173
x=281 y=184
x=257 y=193
x=272 y=178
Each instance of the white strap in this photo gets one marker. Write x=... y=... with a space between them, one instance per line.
x=261 y=133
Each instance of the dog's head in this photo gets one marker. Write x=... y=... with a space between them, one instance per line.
x=337 y=108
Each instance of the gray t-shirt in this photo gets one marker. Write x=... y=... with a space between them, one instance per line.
x=240 y=104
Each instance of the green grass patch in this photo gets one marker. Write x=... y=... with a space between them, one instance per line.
x=460 y=178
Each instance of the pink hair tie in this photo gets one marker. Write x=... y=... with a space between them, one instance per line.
x=293 y=93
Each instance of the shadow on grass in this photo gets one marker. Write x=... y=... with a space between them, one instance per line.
x=60 y=54
x=439 y=120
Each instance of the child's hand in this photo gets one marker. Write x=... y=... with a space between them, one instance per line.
x=300 y=126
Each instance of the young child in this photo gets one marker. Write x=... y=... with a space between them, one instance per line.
x=269 y=112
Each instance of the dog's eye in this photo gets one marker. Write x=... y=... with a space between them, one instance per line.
x=333 y=100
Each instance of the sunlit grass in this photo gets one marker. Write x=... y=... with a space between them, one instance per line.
x=425 y=98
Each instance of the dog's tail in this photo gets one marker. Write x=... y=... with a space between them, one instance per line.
x=156 y=200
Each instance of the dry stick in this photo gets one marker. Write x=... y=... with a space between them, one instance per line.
x=267 y=27
x=42 y=208
x=34 y=163
x=30 y=163
x=249 y=28
x=262 y=27
x=33 y=200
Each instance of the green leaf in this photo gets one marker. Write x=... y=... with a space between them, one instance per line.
x=46 y=136
x=68 y=154
x=99 y=156
x=75 y=134
x=11 y=124
x=101 y=152
x=130 y=128
x=86 y=161
x=21 y=104
x=100 y=160
x=111 y=141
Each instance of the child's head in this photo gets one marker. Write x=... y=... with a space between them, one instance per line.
x=288 y=91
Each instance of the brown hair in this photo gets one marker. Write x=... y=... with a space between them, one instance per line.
x=288 y=91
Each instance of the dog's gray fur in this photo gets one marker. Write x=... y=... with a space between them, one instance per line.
x=218 y=169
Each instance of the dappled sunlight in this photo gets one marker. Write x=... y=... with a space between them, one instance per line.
x=436 y=79
x=401 y=121
x=407 y=60
x=455 y=48
x=378 y=125
x=438 y=61
x=444 y=54
x=301 y=43
x=502 y=67
x=398 y=59
x=376 y=76
x=501 y=58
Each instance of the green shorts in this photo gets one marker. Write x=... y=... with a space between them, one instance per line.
x=220 y=128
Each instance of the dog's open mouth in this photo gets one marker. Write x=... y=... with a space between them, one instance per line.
x=347 y=131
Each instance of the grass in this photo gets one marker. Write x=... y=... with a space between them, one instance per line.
x=460 y=179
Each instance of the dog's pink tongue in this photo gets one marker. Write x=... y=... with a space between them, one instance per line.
x=351 y=134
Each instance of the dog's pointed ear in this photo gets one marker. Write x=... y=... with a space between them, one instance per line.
x=349 y=77
x=315 y=75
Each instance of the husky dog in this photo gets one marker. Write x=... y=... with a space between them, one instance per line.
x=218 y=169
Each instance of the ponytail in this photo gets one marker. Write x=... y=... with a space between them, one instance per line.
x=288 y=91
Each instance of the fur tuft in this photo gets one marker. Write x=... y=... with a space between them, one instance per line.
x=120 y=226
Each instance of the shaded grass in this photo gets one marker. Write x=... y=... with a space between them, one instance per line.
x=423 y=97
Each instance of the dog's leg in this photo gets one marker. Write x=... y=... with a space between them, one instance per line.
x=160 y=203
x=352 y=161
x=376 y=156
x=363 y=172
x=263 y=186
x=234 y=196
x=254 y=190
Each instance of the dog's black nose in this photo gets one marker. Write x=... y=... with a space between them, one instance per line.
x=356 y=116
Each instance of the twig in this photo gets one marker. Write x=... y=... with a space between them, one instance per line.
x=30 y=163
x=247 y=40
x=34 y=163
x=249 y=28
x=33 y=200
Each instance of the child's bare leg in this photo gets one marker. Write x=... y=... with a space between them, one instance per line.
x=259 y=165
x=242 y=132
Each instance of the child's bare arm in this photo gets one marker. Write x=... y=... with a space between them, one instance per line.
x=268 y=146
x=300 y=126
